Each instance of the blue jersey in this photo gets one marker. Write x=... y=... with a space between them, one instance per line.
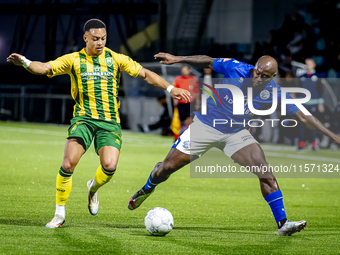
x=238 y=74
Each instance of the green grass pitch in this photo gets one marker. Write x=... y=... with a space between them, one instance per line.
x=212 y=216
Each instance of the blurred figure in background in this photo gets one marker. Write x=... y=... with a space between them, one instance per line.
x=189 y=83
x=287 y=136
x=164 y=121
x=312 y=82
x=288 y=81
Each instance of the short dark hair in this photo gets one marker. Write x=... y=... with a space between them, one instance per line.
x=94 y=23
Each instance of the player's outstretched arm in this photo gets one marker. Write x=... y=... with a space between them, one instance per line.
x=33 y=67
x=314 y=124
x=200 y=61
x=155 y=80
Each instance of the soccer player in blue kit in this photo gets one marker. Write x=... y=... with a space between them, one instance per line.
x=237 y=142
x=311 y=81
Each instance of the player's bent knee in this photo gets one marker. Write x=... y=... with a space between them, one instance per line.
x=110 y=166
x=68 y=166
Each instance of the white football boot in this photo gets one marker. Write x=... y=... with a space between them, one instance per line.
x=291 y=227
x=56 y=222
x=93 y=203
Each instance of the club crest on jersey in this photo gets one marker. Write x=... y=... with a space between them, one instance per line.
x=73 y=129
x=186 y=144
x=264 y=94
x=109 y=61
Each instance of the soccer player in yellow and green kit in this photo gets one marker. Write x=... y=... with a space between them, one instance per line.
x=95 y=76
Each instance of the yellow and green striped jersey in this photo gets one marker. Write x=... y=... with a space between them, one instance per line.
x=95 y=81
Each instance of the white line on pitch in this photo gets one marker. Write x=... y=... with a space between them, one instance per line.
x=35 y=142
x=131 y=143
x=32 y=142
x=280 y=155
x=126 y=135
x=33 y=131
x=278 y=147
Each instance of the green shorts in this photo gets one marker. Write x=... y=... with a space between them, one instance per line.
x=105 y=133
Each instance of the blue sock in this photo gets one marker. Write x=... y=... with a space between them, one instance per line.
x=150 y=186
x=276 y=204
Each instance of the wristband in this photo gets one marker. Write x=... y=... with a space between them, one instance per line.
x=169 y=88
x=25 y=62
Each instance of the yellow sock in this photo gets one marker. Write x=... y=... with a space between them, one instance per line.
x=102 y=176
x=64 y=185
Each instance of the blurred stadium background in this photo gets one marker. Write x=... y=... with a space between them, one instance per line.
x=43 y=30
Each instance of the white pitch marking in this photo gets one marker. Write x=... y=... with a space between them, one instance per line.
x=35 y=142
x=32 y=142
x=280 y=155
x=146 y=141
x=33 y=131
x=127 y=137
x=126 y=134
x=278 y=148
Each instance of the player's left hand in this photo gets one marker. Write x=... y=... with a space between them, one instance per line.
x=15 y=59
x=179 y=94
x=168 y=59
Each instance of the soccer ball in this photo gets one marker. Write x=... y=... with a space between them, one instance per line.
x=159 y=221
